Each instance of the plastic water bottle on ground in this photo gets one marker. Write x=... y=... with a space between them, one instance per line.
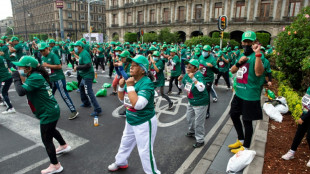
x=96 y=121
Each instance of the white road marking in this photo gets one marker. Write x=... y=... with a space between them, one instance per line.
x=29 y=128
x=207 y=138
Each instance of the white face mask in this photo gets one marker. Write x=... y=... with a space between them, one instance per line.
x=117 y=53
x=205 y=54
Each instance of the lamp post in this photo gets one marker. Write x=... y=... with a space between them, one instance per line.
x=75 y=20
x=89 y=18
x=60 y=5
x=25 y=20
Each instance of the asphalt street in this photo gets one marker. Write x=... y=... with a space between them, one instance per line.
x=21 y=150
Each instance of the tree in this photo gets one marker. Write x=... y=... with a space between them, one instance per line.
x=9 y=31
x=166 y=36
x=130 y=37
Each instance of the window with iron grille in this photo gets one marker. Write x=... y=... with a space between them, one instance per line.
x=198 y=11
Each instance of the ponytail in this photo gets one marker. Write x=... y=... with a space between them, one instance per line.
x=40 y=69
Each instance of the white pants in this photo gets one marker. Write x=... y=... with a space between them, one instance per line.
x=143 y=136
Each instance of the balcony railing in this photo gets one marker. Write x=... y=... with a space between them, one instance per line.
x=140 y=2
x=140 y=23
x=152 y=1
x=241 y=19
x=197 y=20
x=289 y=18
x=129 y=24
x=263 y=19
x=113 y=7
x=114 y=25
x=129 y=4
x=152 y=23
x=214 y=19
x=166 y=22
x=180 y=21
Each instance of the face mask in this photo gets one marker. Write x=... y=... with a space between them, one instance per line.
x=155 y=59
x=117 y=53
x=76 y=50
x=247 y=50
x=22 y=72
x=205 y=54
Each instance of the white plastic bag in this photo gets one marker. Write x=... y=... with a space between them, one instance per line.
x=272 y=112
x=240 y=160
x=281 y=108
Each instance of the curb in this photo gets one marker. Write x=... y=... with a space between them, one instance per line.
x=259 y=143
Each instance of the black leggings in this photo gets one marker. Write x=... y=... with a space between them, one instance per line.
x=302 y=129
x=100 y=61
x=209 y=86
x=175 y=79
x=248 y=129
x=48 y=132
x=69 y=60
x=164 y=95
x=111 y=68
x=225 y=76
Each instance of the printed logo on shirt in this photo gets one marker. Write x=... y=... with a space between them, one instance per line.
x=222 y=64
x=245 y=70
x=203 y=70
x=154 y=73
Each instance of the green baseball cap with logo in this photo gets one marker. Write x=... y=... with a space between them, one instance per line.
x=112 y=43
x=125 y=54
x=79 y=43
x=173 y=50
x=248 y=35
x=27 y=61
x=51 y=41
x=14 y=38
x=165 y=46
x=118 y=49
x=268 y=46
x=197 y=51
x=219 y=54
x=141 y=61
x=224 y=50
x=236 y=47
x=83 y=39
x=4 y=37
x=1 y=42
x=217 y=47
x=206 y=48
x=42 y=46
x=152 y=48
x=156 y=53
x=154 y=43
x=193 y=62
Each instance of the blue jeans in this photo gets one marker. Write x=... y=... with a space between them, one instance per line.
x=5 y=94
x=61 y=86
x=86 y=90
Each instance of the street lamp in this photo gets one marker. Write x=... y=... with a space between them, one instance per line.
x=90 y=1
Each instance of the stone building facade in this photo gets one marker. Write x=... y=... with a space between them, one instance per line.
x=4 y=24
x=199 y=17
x=42 y=17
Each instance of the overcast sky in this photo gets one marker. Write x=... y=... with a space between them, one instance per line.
x=5 y=9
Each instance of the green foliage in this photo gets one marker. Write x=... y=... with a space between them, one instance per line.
x=205 y=40
x=115 y=37
x=149 y=37
x=130 y=37
x=292 y=97
x=9 y=31
x=165 y=35
x=292 y=47
x=42 y=37
x=263 y=38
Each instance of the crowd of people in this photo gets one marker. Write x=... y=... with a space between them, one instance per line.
x=37 y=70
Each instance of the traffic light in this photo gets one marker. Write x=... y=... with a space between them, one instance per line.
x=222 y=23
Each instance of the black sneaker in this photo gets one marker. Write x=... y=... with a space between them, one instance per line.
x=170 y=106
x=113 y=93
x=196 y=145
x=123 y=114
x=180 y=92
x=189 y=134
x=208 y=115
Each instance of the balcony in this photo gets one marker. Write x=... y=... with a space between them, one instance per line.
x=166 y=22
x=129 y=4
x=241 y=19
x=289 y=18
x=180 y=21
x=197 y=20
x=152 y=23
x=114 y=7
x=114 y=25
x=129 y=24
x=263 y=19
x=140 y=23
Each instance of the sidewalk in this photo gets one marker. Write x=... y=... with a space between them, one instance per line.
x=216 y=158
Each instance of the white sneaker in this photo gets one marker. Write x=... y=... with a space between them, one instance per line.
x=114 y=167
x=2 y=104
x=52 y=169
x=214 y=100
x=288 y=156
x=63 y=149
x=9 y=111
x=308 y=164
x=103 y=71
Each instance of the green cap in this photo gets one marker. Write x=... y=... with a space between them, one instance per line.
x=139 y=42
x=51 y=41
x=236 y=47
x=142 y=61
x=152 y=48
x=224 y=50
x=197 y=51
x=27 y=61
x=42 y=46
x=268 y=46
x=229 y=48
x=154 y=43
x=217 y=47
x=125 y=54
x=127 y=43
x=156 y=53
x=83 y=40
x=4 y=37
x=118 y=49
x=173 y=50
x=117 y=43
x=262 y=48
x=35 y=38
x=14 y=38
x=165 y=46
x=206 y=48
x=79 y=43
x=248 y=35
x=112 y=43
x=1 y=42
x=193 y=62
x=219 y=54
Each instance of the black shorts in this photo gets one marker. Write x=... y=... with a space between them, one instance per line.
x=250 y=110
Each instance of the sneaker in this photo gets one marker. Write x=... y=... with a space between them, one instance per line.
x=2 y=104
x=63 y=149
x=114 y=167
x=52 y=169
x=237 y=150
x=208 y=115
x=308 y=164
x=123 y=114
x=9 y=111
x=236 y=145
x=288 y=156
x=95 y=113
x=113 y=93
x=73 y=115
x=180 y=92
x=189 y=134
x=170 y=106
x=196 y=145
x=214 y=100
x=103 y=72
x=85 y=106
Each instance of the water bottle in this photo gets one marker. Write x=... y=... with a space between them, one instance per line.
x=96 y=123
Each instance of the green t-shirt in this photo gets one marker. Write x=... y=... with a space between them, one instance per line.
x=206 y=71
x=159 y=76
x=55 y=51
x=195 y=97
x=145 y=88
x=86 y=47
x=4 y=72
x=176 y=69
x=248 y=85
x=101 y=52
x=40 y=99
x=85 y=59
x=5 y=50
x=19 y=52
x=223 y=66
x=183 y=53
x=54 y=74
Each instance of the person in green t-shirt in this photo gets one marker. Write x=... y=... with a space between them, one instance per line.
x=6 y=78
x=86 y=71
x=57 y=78
x=175 y=62
x=43 y=105
x=99 y=60
x=198 y=98
x=246 y=101
x=137 y=93
x=53 y=48
x=34 y=46
x=223 y=65
x=16 y=49
x=157 y=69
